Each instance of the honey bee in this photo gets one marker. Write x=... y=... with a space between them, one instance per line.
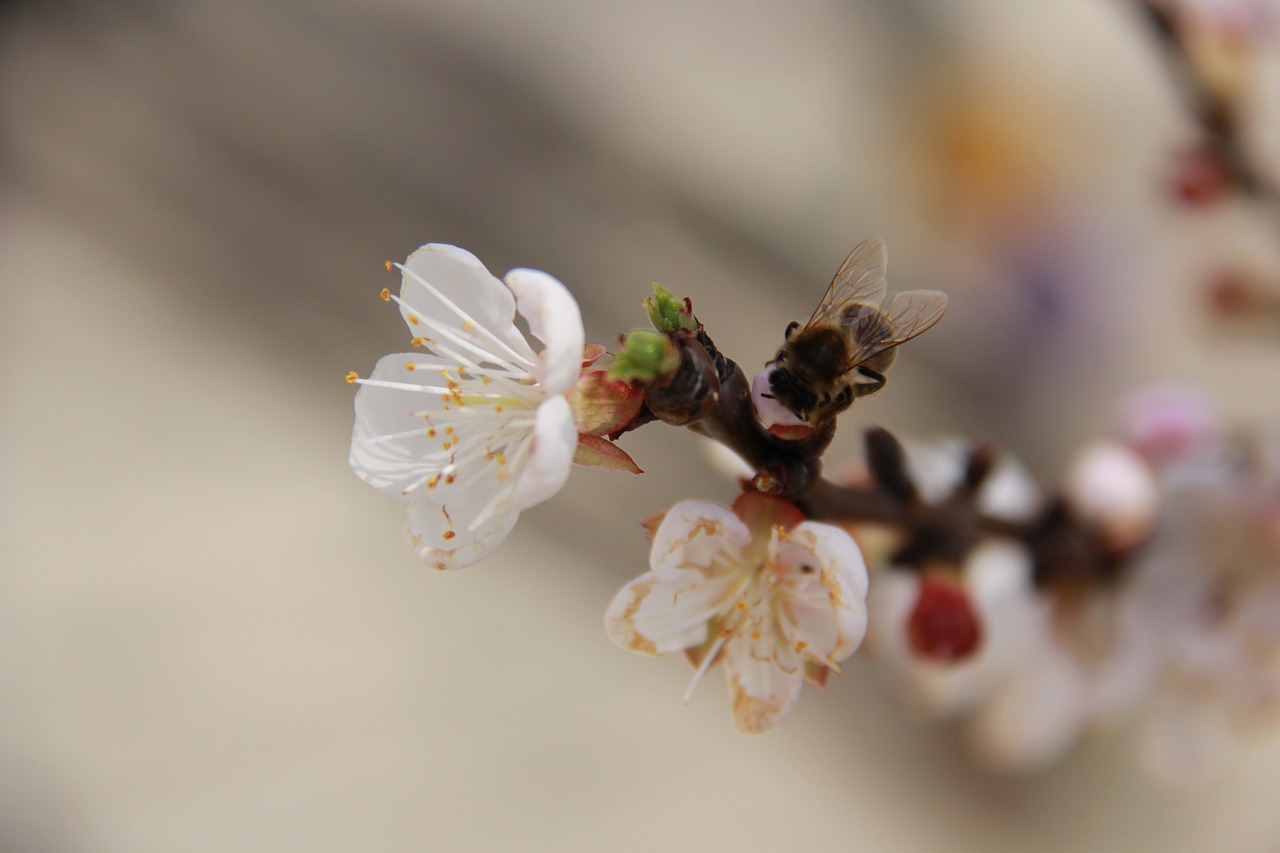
x=852 y=339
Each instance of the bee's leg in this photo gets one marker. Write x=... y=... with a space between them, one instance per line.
x=791 y=329
x=845 y=398
x=867 y=381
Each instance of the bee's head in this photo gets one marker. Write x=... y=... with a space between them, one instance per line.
x=789 y=392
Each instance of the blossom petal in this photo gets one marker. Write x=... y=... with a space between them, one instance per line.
x=827 y=610
x=697 y=533
x=450 y=286
x=937 y=467
x=390 y=445
x=554 y=319
x=764 y=678
x=1009 y=492
x=1187 y=739
x=555 y=438
x=663 y=612
x=1034 y=718
x=441 y=544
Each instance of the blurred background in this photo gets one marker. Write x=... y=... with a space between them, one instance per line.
x=213 y=637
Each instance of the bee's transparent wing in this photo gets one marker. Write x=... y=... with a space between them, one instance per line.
x=907 y=315
x=860 y=279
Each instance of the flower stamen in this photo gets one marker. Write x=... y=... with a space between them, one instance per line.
x=465 y=317
x=705 y=665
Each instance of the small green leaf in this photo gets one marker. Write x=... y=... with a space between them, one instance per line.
x=667 y=312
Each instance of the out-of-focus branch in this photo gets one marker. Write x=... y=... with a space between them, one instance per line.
x=1066 y=553
x=1214 y=112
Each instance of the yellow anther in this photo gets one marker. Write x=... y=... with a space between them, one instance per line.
x=741 y=605
x=502 y=459
x=484 y=380
x=755 y=634
x=502 y=474
x=390 y=266
x=431 y=433
x=448 y=481
x=385 y=294
x=414 y=319
x=801 y=645
x=449 y=534
x=468 y=326
x=431 y=483
x=352 y=377
x=409 y=365
x=417 y=342
x=498 y=408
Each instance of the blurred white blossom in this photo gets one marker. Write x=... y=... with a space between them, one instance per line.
x=995 y=579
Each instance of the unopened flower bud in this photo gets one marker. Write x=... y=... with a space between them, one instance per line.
x=1112 y=489
x=1167 y=422
x=1200 y=177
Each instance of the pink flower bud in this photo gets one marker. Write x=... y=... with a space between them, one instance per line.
x=1110 y=487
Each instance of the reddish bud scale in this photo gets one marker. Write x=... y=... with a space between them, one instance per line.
x=602 y=405
x=762 y=512
x=943 y=626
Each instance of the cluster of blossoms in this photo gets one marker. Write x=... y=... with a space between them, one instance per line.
x=1147 y=586
x=1146 y=591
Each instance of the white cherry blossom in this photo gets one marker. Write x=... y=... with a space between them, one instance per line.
x=475 y=426
x=997 y=576
x=776 y=598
